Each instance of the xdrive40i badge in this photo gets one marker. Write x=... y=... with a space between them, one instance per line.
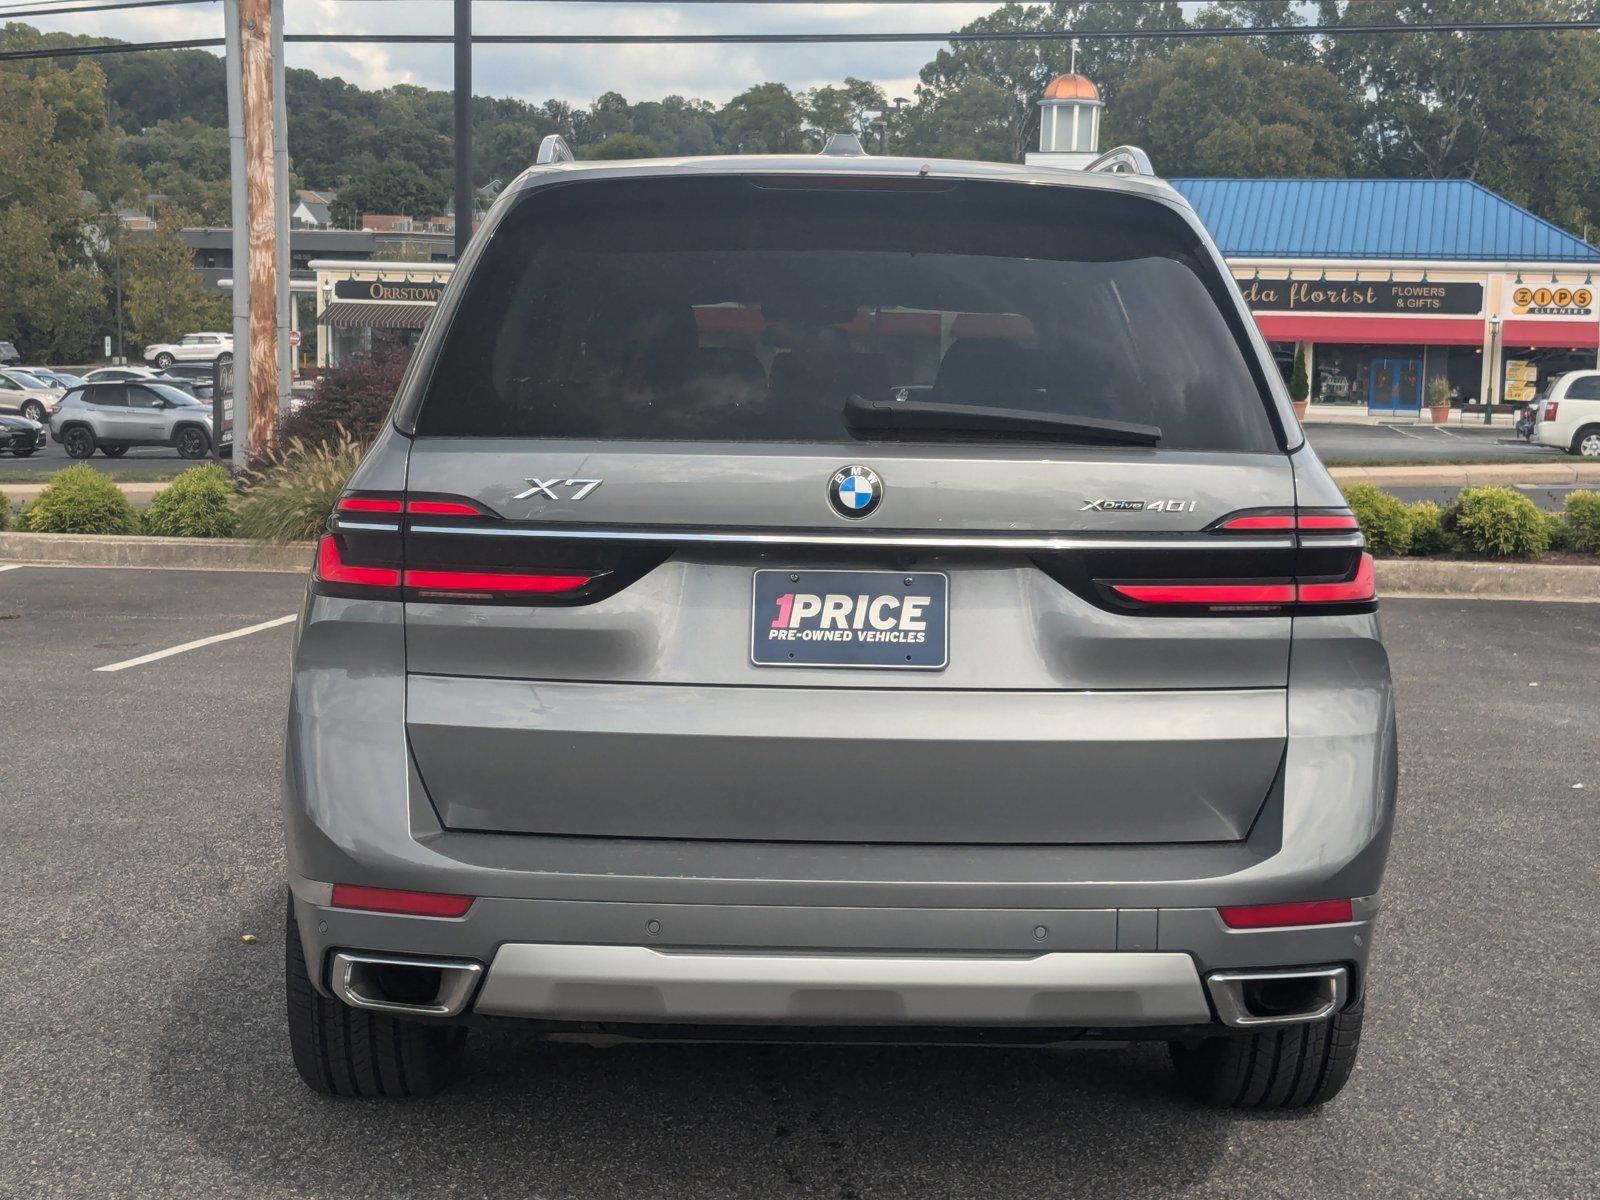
x=855 y=492
x=1171 y=506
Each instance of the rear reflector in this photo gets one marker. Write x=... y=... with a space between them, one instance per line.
x=1277 y=916
x=1207 y=593
x=388 y=900
x=1362 y=588
x=491 y=582
x=442 y=508
x=368 y=504
x=332 y=569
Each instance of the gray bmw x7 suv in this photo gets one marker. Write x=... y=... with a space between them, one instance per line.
x=832 y=593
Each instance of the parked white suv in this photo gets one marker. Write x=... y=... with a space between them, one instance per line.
x=1568 y=415
x=194 y=347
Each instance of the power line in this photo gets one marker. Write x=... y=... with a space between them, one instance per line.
x=780 y=39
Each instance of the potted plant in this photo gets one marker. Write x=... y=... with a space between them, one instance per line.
x=1300 y=382
x=1439 y=399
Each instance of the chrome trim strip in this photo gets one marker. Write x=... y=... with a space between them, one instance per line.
x=908 y=541
x=344 y=524
x=641 y=983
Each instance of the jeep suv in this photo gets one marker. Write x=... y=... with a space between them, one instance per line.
x=836 y=593
x=110 y=417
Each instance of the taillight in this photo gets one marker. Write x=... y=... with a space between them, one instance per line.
x=368 y=504
x=391 y=900
x=331 y=568
x=1278 y=916
x=1257 y=596
x=488 y=584
x=1210 y=595
x=1306 y=521
x=442 y=508
x=1360 y=590
x=1550 y=407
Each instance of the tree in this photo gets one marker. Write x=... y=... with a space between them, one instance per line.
x=844 y=109
x=1225 y=108
x=972 y=120
x=394 y=187
x=1299 y=381
x=766 y=119
x=622 y=145
x=1519 y=112
x=163 y=297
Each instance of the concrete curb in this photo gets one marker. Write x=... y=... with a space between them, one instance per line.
x=1433 y=578
x=1399 y=577
x=1468 y=475
x=138 y=492
x=154 y=553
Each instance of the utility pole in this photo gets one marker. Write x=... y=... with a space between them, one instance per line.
x=241 y=241
x=280 y=213
x=261 y=179
x=463 y=126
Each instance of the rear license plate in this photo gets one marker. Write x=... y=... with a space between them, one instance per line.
x=850 y=619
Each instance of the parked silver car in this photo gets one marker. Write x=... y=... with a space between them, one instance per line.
x=835 y=593
x=26 y=395
x=111 y=417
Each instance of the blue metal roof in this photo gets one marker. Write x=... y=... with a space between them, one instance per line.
x=1436 y=219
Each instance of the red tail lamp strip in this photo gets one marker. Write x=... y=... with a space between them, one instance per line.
x=493 y=581
x=1258 y=522
x=443 y=508
x=368 y=504
x=1279 y=916
x=1329 y=521
x=1362 y=588
x=1207 y=593
x=333 y=569
x=389 y=900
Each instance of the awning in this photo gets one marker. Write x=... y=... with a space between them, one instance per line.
x=1385 y=331
x=375 y=314
x=1579 y=335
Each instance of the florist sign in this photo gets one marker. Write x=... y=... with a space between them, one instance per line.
x=1387 y=297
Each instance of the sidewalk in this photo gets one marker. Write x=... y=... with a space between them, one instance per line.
x=1471 y=475
x=137 y=492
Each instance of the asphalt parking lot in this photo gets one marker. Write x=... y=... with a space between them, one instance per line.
x=144 y=1048
x=1352 y=444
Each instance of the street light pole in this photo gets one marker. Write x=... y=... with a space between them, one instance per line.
x=463 y=126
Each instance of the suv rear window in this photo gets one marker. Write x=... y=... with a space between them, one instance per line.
x=747 y=308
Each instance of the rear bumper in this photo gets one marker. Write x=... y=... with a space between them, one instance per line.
x=741 y=964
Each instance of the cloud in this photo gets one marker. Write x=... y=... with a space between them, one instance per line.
x=578 y=73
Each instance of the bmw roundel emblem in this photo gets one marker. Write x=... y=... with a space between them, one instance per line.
x=855 y=492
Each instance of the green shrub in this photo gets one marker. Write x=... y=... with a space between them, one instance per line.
x=1583 y=521
x=1428 y=535
x=1500 y=522
x=1384 y=519
x=1560 y=533
x=289 y=501
x=80 y=500
x=201 y=502
x=5 y=512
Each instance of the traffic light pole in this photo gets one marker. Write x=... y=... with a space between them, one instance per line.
x=463 y=125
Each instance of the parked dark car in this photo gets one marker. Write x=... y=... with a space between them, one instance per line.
x=8 y=354
x=20 y=435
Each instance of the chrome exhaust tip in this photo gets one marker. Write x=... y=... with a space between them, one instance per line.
x=404 y=986
x=1284 y=996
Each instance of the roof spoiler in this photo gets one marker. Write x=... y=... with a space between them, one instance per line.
x=1124 y=160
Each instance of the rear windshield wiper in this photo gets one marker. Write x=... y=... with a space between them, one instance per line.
x=929 y=415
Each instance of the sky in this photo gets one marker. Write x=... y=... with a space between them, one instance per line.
x=573 y=73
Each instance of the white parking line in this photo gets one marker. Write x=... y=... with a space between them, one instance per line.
x=195 y=645
x=1401 y=432
x=13 y=567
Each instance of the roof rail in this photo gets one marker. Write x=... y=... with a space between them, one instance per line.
x=553 y=149
x=1124 y=160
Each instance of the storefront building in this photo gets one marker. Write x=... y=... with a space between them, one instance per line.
x=364 y=305
x=1390 y=284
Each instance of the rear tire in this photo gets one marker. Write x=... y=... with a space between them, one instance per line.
x=344 y=1051
x=1295 y=1066
x=1587 y=443
x=79 y=441
x=33 y=410
x=163 y=361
